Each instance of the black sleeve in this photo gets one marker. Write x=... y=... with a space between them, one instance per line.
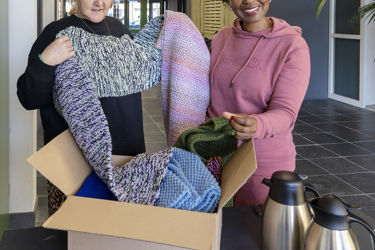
x=34 y=86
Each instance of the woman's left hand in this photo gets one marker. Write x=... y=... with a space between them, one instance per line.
x=244 y=124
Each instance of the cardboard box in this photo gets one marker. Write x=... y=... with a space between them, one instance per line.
x=102 y=224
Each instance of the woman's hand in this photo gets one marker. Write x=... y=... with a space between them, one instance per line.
x=244 y=124
x=58 y=51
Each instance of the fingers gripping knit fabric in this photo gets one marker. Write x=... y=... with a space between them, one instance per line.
x=184 y=77
x=118 y=66
x=139 y=180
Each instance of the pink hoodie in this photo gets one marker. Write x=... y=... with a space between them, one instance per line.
x=264 y=74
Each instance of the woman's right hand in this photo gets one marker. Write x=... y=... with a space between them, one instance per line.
x=58 y=51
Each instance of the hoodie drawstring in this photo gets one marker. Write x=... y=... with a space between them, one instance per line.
x=218 y=59
x=247 y=61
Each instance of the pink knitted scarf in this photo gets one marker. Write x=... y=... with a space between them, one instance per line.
x=185 y=75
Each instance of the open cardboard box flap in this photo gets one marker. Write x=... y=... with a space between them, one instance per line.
x=62 y=163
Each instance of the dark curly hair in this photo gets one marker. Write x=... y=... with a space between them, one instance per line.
x=225 y=1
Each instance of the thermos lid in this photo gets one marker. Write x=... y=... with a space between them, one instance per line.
x=330 y=212
x=287 y=188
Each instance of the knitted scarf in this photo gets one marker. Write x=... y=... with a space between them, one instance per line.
x=185 y=75
x=212 y=138
x=118 y=66
x=139 y=180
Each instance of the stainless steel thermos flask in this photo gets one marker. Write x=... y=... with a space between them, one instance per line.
x=330 y=227
x=286 y=214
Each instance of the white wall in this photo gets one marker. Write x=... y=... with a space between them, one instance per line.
x=369 y=62
x=48 y=10
x=4 y=115
x=22 y=123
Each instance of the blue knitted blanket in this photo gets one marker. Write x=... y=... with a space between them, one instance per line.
x=188 y=184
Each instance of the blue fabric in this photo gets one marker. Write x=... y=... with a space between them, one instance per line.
x=188 y=184
x=93 y=187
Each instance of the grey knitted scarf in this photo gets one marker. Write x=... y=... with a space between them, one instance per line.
x=108 y=66
x=137 y=181
x=118 y=66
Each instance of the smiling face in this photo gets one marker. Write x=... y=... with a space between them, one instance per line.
x=93 y=10
x=251 y=12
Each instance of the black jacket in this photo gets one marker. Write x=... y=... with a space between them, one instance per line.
x=124 y=114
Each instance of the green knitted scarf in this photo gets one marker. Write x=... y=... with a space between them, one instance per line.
x=214 y=137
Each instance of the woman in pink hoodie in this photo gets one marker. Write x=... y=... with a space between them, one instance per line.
x=260 y=70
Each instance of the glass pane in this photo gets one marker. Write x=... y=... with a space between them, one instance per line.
x=118 y=10
x=345 y=21
x=347 y=68
x=134 y=15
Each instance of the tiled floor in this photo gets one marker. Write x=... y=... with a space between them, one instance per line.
x=335 y=144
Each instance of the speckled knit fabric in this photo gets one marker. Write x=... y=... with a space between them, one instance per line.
x=185 y=74
x=118 y=66
x=215 y=165
x=214 y=137
x=188 y=184
x=139 y=180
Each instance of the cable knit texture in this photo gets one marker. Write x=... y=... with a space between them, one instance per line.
x=184 y=78
x=118 y=66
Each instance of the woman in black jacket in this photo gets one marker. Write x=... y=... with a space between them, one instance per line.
x=34 y=87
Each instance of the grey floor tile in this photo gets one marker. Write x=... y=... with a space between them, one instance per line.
x=150 y=128
x=300 y=140
x=298 y=157
x=322 y=138
x=332 y=185
x=346 y=149
x=153 y=147
x=369 y=145
x=370 y=132
x=329 y=127
x=161 y=126
x=351 y=135
x=358 y=125
x=303 y=113
x=359 y=200
x=306 y=167
x=155 y=137
x=338 y=165
x=352 y=117
x=367 y=161
x=43 y=201
x=369 y=211
x=314 y=151
x=372 y=196
x=157 y=118
x=311 y=119
x=147 y=119
x=304 y=129
x=361 y=181
x=153 y=108
x=42 y=186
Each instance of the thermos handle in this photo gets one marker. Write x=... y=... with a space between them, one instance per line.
x=266 y=182
x=312 y=189
x=355 y=218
